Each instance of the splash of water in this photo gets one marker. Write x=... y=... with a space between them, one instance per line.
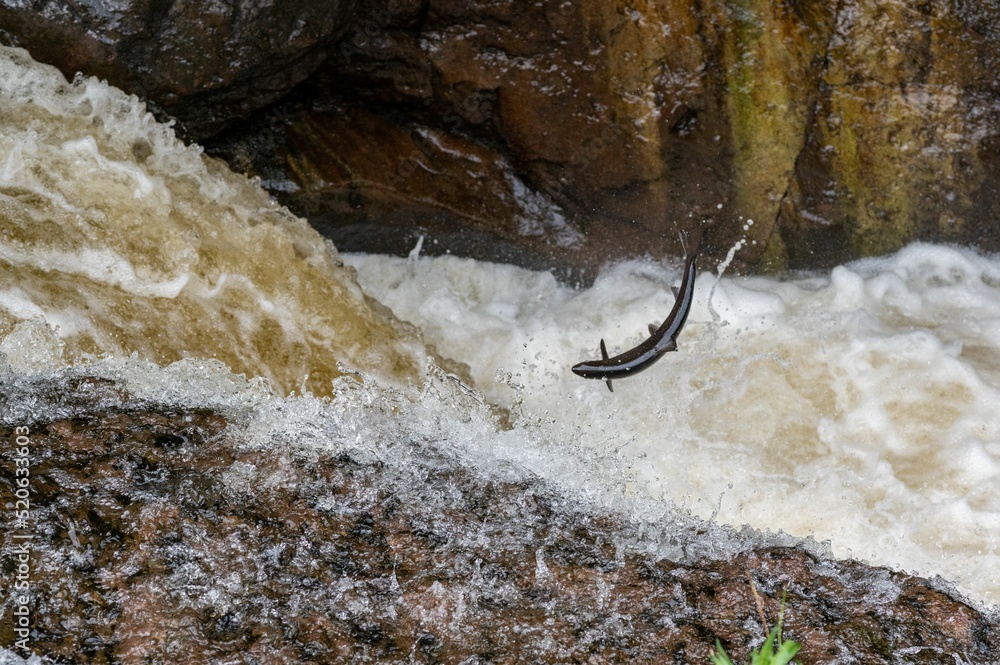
x=860 y=407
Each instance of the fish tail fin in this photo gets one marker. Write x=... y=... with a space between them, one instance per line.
x=691 y=240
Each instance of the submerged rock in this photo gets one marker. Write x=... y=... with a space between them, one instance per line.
x=158 y=534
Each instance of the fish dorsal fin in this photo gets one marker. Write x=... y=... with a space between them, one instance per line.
x=604 y=350
x=676 y=291
x=653 y=328
x=609 y=386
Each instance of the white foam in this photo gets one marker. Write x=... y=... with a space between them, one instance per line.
x=8 y=657
x=846 y=407
x=32 y=346
x=100 y=265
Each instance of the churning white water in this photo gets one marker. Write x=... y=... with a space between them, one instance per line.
x=860 y=407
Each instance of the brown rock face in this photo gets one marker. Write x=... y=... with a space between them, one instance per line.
x=157 y=537
x=904 y=144
x=634 y=120
x=401 y=180
x=204 y=63
x=573 y=133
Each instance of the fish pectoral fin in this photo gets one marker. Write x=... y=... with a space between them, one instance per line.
x=609 y=386
x=652 y=328
x=604 y=354
x=670 y=346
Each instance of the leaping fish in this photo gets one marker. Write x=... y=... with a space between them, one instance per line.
x=662 y=339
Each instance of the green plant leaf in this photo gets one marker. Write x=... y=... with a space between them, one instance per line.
x=765 y=656
x=720 y=657
x=786 y=652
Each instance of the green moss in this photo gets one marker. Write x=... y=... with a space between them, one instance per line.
x=775 y=258
x=768 y=56
x=875 y=178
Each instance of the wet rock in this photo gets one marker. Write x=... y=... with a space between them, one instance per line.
x=632 y=122
x=158 y=536
x=635 y=120
x=205 y=64
x=904 y=142
x=404 y=181
x=616 y=123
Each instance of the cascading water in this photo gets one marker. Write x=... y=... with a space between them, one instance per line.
x=858 y=407
x=120 y=239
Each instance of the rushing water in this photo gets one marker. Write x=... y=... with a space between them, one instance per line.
x=124 y=240
x=860 y=407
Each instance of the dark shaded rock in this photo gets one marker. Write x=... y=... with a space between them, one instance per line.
x=404 y=180
x=203 y=63
x=158 y=537
x=842 y=129
x=633 y=121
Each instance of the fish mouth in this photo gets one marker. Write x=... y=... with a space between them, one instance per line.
x=582 y=369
